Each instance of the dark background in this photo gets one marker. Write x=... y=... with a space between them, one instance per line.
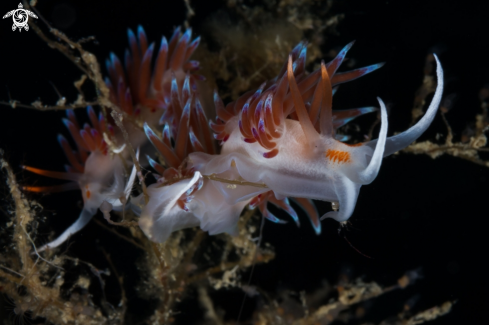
x=418 y=213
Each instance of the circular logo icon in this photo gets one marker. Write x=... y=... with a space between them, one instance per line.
x=20 y=17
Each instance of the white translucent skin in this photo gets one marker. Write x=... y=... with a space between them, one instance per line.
x=161 y=215
x=300 y=169
x=104 y=180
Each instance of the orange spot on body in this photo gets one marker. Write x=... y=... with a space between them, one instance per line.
x=87 y=192
x=338 y=156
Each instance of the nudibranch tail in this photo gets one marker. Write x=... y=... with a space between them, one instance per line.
x=85 y=216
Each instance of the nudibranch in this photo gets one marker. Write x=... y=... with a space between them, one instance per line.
x=278 y=143
x=143 y=94
x=99 y=176
x=284 y=136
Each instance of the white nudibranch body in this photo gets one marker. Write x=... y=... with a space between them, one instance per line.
x=278 y=143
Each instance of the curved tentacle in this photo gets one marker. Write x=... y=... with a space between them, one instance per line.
x=402 y=140
x=85 y=216
x=347 y=192
x=367 y=175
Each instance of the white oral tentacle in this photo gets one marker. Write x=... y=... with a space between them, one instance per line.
x=404 y=139
x=368 y=174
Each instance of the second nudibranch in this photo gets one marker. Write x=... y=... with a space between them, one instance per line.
x=100 y=175
x=144 y=95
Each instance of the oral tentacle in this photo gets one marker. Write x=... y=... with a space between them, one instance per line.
x=368 y=174
x=404 y=139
